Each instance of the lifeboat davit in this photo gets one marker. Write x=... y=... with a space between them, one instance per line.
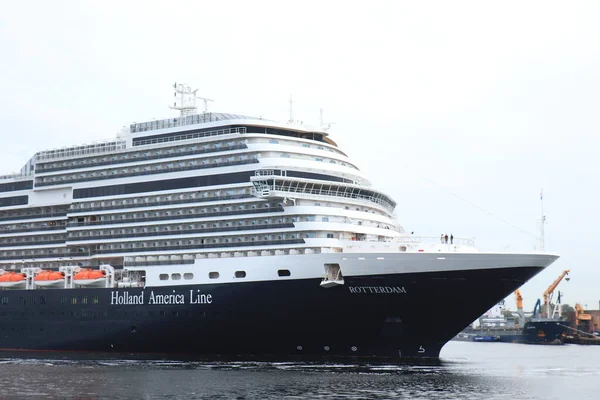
x=90 y=277
x=50 y=279
x=12 y=280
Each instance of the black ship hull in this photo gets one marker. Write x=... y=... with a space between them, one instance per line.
x=384 y=316
x=545 y=331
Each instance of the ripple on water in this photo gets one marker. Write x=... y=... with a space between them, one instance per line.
x=466 y=372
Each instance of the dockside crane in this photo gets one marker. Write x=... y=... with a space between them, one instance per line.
x=550 y=291
x=520 y=307
x=582 y=319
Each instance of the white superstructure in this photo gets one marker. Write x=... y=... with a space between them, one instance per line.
x=199 y=197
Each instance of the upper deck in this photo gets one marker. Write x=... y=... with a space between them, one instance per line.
x=187 y=120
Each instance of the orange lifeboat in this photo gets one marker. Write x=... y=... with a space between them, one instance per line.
x=90 y=277
x=50 y=279
x=12 y=280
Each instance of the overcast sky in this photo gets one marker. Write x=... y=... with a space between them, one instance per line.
x=461 y=111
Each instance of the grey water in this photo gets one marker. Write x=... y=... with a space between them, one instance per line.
x=466 y=371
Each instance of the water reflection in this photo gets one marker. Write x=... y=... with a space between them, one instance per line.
x=470 y=372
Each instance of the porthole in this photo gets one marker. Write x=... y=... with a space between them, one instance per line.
x=188 y=276
x=284 y=272
x=240 y=274
x=213 y=275
x=163 y=277
x=176 y=277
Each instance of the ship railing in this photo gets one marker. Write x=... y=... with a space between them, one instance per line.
x=135 y=157
x=387 y=244
x=158 y=260
x=172 y=217
x=5 y=230
x=457 y=241
x=68 y=152
x=193 y=119
x=264 y=172
x=52 y=179
x=263 y=189
x=15 y=177
x=189 y=136
x=55 y=256
x=57 y=215
x=82 y=207
x=215 y=246
x=71 y=238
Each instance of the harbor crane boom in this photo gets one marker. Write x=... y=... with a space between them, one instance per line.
x=550 y=291
x=519 y=299
x=520 y=307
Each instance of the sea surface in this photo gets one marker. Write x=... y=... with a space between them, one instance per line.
x=466 y=371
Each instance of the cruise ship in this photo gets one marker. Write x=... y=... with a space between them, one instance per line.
x=215 y=234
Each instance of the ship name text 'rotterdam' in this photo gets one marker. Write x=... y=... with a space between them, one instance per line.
x=377 y=289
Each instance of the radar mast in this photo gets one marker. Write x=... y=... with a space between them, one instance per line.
x=542 y=223
x=185 y=100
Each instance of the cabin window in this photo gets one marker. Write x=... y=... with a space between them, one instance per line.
x=240 y=274
x=176 y=277
x=213 y=275
x=163 y=277
x=188 y=276
x=284 y=272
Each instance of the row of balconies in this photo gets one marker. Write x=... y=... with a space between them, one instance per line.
x=33 y=213
x=58 y=253
x=197 y=244
x=33 y=227
x=151 y=169
x=173 y=214
x=189 y=259
x=287 y=142
x=127 y=157
x=161 y=200
x=77 y=151
x=14 y=241
x=164 y=231
x=311 y=158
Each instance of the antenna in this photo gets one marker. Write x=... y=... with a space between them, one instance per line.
x=291 y=120
x=543 y=222
x=205 y=103
x=185 y=99
x=324 y=125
